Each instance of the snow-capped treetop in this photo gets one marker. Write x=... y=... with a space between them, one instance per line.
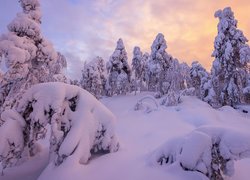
x=226 y=17
x=137 y=54
x=158 y=47
x=32 y=8
x=120 y=45
x=230 y=48
x=160 y=60
x=29 y=5
x=27 y=23
x=119 y=58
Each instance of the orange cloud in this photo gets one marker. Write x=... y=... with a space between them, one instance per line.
x=189 y=26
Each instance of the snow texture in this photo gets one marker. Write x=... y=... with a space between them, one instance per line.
x=140 y=134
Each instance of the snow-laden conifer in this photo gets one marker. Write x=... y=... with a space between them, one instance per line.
x=119 y=72
x=231 y=53
x=93 y=77
x=28 y=57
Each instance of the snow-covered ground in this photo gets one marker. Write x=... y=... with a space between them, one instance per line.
x=140 y=134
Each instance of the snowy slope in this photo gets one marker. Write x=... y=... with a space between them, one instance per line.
x=140 y=134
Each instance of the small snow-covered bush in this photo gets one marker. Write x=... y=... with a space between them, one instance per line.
x=188 y=92
x=171 y=99
x=80 y=125
x=208 y=150
x=147 y=103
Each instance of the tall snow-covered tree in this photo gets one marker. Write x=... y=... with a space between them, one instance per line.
x=119 y=72
x=231 y=54
x=138 y=68
x=93 y=77
x=29 y=58
x=158 y=64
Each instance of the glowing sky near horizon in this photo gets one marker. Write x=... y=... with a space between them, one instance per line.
x=83 y=29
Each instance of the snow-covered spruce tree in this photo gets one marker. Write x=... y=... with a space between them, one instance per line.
x=231 y=54
x=138 y=68
x=164 y=73
x=119 y=73
x=158 y=63
x=29 y=58
x=79 y=126
x=93 y=77
x=197 y=74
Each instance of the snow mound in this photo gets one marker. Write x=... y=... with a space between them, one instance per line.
x=209 y=150
x=147 y=104
x=80 y=124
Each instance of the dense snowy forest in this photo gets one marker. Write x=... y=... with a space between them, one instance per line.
x=40 y=107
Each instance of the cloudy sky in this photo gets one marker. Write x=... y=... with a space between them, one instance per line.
x=83 y=29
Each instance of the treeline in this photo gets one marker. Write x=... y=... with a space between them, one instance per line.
x=228 y=83
x=30 y=59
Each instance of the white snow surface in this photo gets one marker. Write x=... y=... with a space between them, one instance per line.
x=140 y=134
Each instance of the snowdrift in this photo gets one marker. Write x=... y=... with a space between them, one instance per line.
x=209 y=150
